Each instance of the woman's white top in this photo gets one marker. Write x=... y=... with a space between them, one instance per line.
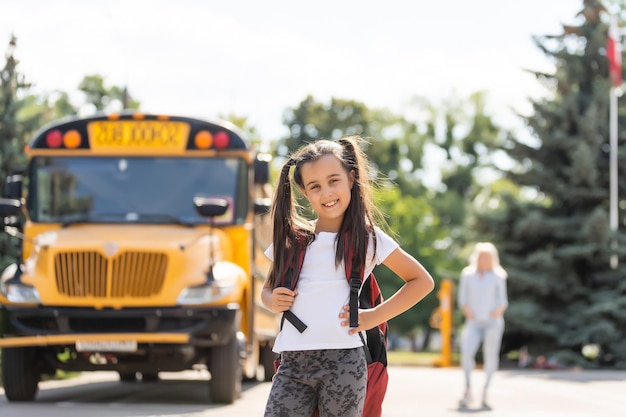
x=323 y=290
x=482 y=293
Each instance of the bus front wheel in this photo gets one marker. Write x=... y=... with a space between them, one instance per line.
x=19 y=374
x=226 y=372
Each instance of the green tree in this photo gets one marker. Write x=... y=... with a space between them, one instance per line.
x=10 y=140
x=465 y=142
x=102 y=97
x=469 y=141
x=555 y=240
x=58 y=105
x=416 y=226
x=395 y=146
x=17 y=123
x=312 y=120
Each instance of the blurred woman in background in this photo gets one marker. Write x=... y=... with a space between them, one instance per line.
x=483 y=299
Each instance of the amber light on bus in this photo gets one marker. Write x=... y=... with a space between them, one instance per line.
x=71 y=139
x=203 y=139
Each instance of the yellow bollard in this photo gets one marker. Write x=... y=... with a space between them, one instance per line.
x=442 y=319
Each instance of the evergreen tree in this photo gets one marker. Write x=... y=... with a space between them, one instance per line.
x=11 y=152
x=555 y=242
x=14 y=128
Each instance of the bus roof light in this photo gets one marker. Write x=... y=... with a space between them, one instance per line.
x=222 y=140
x=54 y=138
x=71 y=139
x=203 y=139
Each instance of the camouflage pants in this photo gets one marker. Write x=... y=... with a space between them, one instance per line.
x=332 y=379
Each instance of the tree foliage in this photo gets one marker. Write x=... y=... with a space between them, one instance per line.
x=312 y=120
x=103 y=97
x=17 y=123
x=556 y=241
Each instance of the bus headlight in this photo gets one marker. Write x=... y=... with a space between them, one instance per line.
x=20 y=293
x=206 y=293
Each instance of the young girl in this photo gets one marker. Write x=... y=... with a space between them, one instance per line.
x=325 y=366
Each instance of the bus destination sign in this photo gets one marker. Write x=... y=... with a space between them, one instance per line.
x=124 y=135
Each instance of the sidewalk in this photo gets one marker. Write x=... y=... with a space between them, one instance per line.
x=513 y=393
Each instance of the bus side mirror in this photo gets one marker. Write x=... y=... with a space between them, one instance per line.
x=210 y=207
x=13 y=187
x=262 y=205
x=9 y=207
x=262 y=168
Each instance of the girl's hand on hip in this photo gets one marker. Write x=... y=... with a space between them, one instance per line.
x=367 y=319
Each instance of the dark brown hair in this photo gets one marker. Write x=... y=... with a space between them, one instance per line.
x=292 y=231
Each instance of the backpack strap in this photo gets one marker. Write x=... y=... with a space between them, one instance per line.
x=290 y=280
x=355 y=276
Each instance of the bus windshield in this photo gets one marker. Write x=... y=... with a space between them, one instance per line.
x=134 y=189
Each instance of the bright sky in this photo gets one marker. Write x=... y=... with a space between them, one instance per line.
x=256 y=58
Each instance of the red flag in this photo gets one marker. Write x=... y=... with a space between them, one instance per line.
x=614 y=54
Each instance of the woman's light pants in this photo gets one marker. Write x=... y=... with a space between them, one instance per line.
x=488 y=332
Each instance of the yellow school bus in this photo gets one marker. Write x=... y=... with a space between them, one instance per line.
x=141 y=240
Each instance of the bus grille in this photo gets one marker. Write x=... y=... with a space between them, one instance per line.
x=91 y=274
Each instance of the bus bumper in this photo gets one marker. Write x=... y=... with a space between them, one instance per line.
x=49 y=326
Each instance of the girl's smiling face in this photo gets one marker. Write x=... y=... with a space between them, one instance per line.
x=327 y=187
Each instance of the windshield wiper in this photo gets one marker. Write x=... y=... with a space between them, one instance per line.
x=89 y=218
x=158 y=218
x=126 y=218
x=68 y=223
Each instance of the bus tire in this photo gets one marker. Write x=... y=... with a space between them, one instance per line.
x=226 y=372
x=19 y=373
x=150 y=376
x=128 y=376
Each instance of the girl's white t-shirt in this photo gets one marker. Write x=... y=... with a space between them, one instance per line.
x=323 y=290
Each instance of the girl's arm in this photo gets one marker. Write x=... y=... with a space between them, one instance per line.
x=418 y=283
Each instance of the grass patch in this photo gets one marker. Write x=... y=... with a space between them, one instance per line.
x=408 y=358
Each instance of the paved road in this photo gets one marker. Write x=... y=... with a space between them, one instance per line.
x=412 y=392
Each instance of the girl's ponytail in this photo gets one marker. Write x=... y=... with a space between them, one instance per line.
x=291 y=232
x=359 y=218
x=282 y=209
